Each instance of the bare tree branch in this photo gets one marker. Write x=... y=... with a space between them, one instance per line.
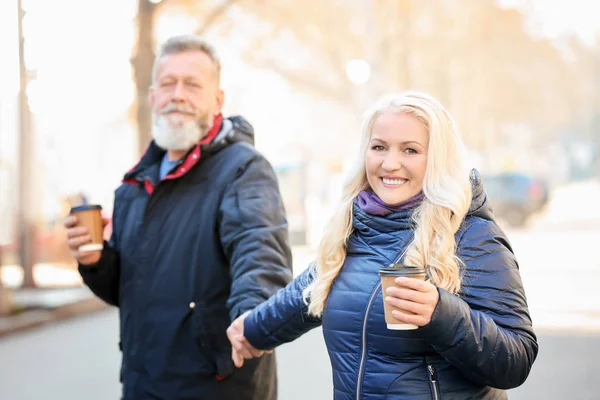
x=215 y=15
x=339 y=94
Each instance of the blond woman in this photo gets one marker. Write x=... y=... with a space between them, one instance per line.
x=409 y=200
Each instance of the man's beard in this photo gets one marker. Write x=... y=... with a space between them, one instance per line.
x=173 y=132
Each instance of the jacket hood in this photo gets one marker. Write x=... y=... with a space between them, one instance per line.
x=480 y=207
x=235 y=129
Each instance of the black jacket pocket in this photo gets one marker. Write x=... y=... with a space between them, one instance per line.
x=210 y=326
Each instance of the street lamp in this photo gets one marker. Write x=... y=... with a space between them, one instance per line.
x=358 y=71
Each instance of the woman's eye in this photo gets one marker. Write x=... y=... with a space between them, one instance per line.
x=378 y=148
x=410 y=151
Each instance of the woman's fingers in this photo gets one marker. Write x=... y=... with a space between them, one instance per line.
x=405 y=305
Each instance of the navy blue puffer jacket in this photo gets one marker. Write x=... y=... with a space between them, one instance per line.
x=477 y=343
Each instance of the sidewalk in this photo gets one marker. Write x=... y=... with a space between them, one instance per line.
x=36 y=307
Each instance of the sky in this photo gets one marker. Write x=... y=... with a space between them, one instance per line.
x=551 y=17
x=554 y=18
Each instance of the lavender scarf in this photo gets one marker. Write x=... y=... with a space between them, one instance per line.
x=370 y=203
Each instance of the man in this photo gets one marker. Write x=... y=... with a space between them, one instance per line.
x=199 y=237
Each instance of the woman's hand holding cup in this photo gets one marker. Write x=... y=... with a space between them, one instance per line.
x=414 y=300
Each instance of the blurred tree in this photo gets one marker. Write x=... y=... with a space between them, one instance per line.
x=478 y=58
x=6 y=214
x=27 y=207
x=324 y=36
x=142 y=60
x=5 y=295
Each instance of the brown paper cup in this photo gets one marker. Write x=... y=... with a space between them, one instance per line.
x=388 y=277
x=90 y=216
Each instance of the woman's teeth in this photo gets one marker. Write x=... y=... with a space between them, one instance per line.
x=393 y=181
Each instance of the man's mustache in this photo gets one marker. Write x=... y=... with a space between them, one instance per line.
x=169 y=108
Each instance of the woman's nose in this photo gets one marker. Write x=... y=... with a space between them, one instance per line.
x=392 y=162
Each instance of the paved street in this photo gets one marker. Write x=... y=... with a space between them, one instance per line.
x=73 y=360
x=78 y=359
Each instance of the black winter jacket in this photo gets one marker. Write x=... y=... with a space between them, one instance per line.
x=187 y=255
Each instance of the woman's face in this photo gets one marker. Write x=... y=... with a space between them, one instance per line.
x=396 y=157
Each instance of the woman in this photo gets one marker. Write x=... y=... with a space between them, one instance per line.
x=409 y=199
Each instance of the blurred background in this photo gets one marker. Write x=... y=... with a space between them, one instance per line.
x=521 y=78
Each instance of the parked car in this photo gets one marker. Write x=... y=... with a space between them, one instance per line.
x=515 y=196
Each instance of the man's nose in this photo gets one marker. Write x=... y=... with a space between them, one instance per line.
x=178 y=95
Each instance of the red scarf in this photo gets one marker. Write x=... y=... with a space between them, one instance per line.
x=191 y=158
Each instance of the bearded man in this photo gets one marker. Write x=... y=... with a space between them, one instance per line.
x=199 y=236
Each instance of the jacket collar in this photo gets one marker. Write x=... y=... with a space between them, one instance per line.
x=154 y=155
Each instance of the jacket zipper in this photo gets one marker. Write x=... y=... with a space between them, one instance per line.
x=364 y=330
x=433 y=381
x=364 y=342
x=400 y=255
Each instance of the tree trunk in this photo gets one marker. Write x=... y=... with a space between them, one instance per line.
x=26 y=203
x=142 y=62
x=5 y=300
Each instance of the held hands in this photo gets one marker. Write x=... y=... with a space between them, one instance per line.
x=79 y=235
x=414 y=300
x=240 y=347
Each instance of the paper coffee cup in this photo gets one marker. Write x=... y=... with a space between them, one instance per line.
x=90 y=216
x=388 y=277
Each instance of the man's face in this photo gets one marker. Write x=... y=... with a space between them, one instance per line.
x=185 y=98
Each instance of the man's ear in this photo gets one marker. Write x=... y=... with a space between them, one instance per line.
x=220 y=101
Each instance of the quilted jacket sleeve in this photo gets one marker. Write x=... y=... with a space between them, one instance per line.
x=283 y=318
x=486 y=331
x=254 y=235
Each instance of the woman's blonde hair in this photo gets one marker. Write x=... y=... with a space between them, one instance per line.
x=447 y=191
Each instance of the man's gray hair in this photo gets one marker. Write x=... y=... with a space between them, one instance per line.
x=185 y=43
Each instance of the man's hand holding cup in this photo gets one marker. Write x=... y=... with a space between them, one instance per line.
x=85 y=228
